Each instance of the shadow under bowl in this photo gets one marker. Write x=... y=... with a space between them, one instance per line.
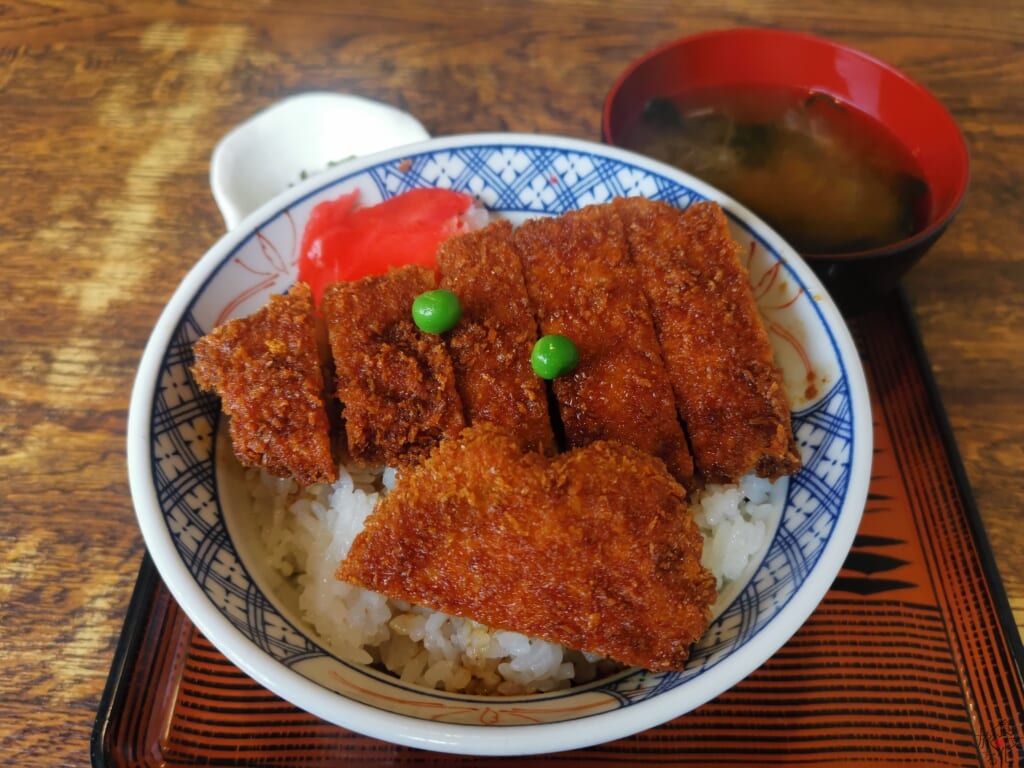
x=757 y=58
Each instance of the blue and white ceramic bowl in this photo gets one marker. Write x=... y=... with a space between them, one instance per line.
x=184 y=491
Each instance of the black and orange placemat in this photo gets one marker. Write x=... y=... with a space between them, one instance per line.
x=912 y=658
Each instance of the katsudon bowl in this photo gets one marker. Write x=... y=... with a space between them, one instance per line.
x=192 y=505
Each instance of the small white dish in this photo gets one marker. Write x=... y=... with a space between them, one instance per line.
x=297 y=137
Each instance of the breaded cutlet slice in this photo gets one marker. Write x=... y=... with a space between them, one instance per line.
x=594 y=549
x=583 y=285
x=729 y=390
x=490 y=346
x=395 y=382
x=266 y=368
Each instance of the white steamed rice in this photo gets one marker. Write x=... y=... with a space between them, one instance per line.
x=306 y=533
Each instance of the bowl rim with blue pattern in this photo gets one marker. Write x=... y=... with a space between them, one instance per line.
x=180 y=473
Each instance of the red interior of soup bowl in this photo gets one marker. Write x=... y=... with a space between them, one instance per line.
x=764 y=57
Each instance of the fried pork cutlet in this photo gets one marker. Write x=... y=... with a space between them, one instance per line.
x=490 y=347
x=395 y=383
x=729 y=391
x=266 y=369
x=594 y=549
x=582 y=285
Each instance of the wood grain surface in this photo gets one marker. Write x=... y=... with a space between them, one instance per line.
x=109 y=112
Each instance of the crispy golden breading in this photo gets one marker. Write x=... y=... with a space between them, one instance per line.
x=594 y=549
x=583 y=285
x=729 y=390
x=266 y=369
x=395 y=383
x=490 y=347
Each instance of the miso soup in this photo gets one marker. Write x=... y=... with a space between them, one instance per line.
x=827 y=177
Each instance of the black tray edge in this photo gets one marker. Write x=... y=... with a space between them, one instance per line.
x=125 y=657
x=1004 y=612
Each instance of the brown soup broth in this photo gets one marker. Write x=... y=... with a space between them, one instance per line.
x=826 y=176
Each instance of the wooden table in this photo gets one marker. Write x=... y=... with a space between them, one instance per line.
x=110 y=111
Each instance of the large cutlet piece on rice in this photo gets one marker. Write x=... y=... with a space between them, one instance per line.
x=395 y=383
x=490 y=347
x=729 y=391
x=583 y=285
x=594 y=549
x=267 y=371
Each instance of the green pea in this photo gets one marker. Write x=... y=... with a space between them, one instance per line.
x=436 y=311
x=553 y=356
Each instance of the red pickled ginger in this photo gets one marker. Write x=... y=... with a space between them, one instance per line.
x=343 y=241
